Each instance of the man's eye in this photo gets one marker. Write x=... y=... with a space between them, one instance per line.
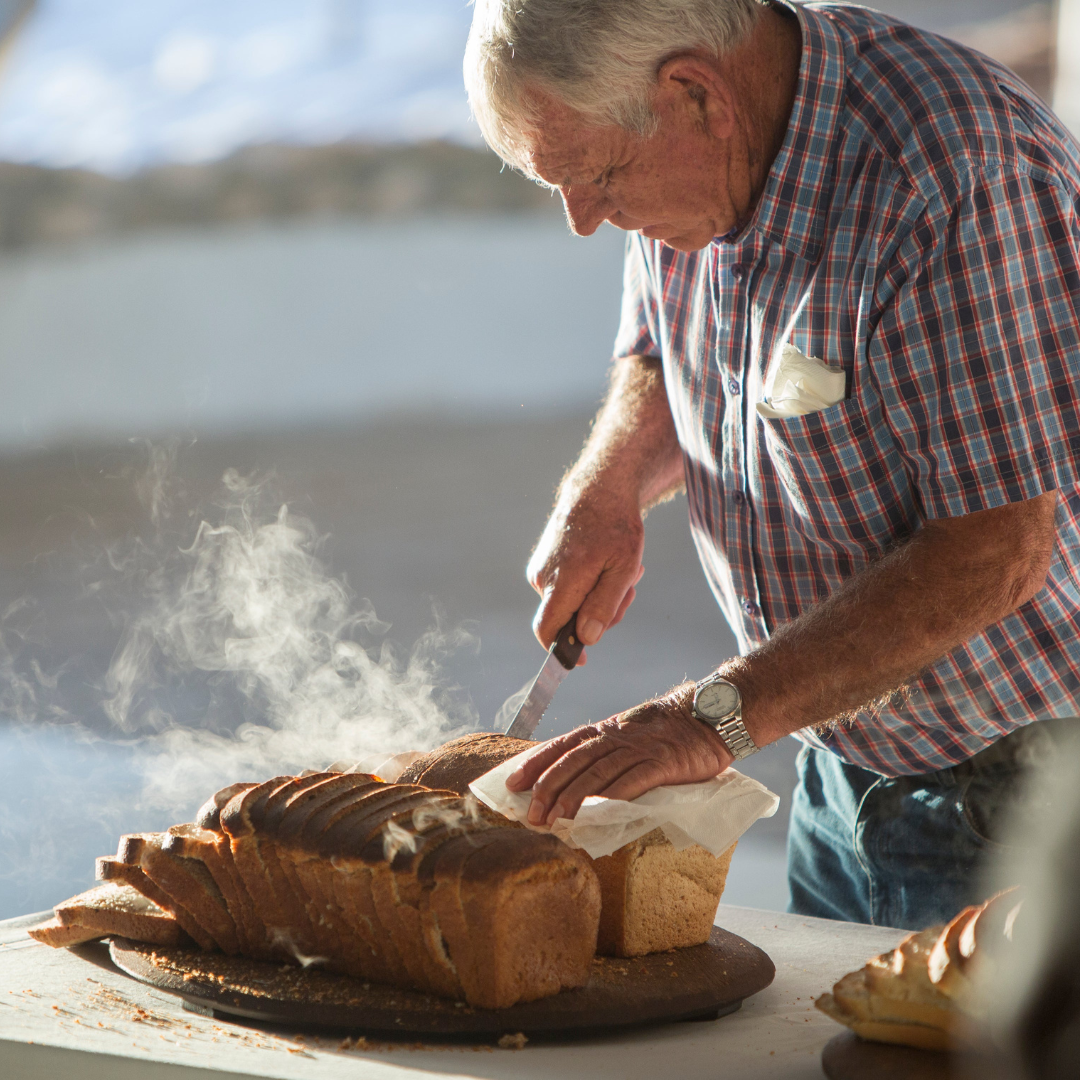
x=602 y=180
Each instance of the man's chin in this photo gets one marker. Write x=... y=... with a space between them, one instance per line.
x=687 y=243
x=689 y=240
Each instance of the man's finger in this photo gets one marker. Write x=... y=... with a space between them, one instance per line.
x=628 y=599
x=556 y=608
x=546 y=754
x=599 y=609
x=546 y=790
x=600 y=774
x=637 y=780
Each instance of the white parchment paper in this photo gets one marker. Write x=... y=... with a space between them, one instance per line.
x=714 y=813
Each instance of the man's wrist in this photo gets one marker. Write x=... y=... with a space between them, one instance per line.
x=680 y=700
x=738 y=738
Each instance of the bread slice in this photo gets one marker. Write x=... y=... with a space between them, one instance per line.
x=191 y=896
x=855 y=994
x=111 y=869
x=900 y=1033
x=532 y=911
x=107 y=910
x=276 y=903
x=126 y=868
x=653 y=898
x=189 y=841
x=60 y=936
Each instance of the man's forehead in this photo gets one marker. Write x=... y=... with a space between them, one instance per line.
x=563 y=144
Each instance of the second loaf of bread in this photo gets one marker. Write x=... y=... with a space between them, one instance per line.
x=653 y=897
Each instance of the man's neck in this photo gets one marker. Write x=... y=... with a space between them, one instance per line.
x=767 y=78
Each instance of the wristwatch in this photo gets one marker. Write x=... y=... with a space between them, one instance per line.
x=718 y=703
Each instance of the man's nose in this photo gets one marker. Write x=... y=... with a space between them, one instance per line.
x=586 y=208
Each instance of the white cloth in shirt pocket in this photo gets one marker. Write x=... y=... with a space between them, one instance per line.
x=796 y=385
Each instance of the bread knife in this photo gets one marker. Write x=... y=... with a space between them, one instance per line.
x=562 y=657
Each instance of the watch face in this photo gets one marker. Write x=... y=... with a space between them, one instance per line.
x=717 y=700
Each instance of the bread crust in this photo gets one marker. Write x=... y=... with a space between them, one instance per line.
x=455 y=765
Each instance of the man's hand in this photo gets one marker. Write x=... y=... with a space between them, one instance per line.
x=588 y=559
x=654 y=744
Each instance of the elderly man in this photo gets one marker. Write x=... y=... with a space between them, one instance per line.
x=901 y=566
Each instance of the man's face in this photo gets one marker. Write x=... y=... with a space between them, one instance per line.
x=672 y=186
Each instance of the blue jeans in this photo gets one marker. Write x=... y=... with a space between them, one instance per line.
x=907 y=851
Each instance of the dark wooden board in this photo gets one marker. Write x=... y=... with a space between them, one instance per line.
x=847 y=1057
x=699 y=983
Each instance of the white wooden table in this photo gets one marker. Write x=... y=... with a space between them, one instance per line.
x=65 y=1016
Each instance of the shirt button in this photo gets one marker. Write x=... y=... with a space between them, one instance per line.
x=749 y=607
x=738 y=497
x=738 y=271
x=733 y=386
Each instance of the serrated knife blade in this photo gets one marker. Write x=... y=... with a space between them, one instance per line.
x=561 y=659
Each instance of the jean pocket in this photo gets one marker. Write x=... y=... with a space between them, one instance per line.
x=990 y=802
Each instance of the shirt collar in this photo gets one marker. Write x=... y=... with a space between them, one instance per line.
x=792 y=208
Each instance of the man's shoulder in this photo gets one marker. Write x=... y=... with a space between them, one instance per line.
x=937 y=109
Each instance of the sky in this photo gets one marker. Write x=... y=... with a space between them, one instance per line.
x=114 y=85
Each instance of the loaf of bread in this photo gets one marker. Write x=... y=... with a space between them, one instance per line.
x=964 y=950
x=106 y=910
x=892 y=1000
x=920 y=994
x=653 y=898
x=393 y=883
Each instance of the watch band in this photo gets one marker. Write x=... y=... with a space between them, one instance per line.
x=737 y=739
x=739 y=742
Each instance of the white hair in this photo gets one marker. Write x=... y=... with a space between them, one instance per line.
x=599 y=57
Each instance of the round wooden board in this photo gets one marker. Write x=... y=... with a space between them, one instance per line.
x=847 y=1057
x=699 y=983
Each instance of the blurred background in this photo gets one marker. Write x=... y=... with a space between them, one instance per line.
x=264 y=236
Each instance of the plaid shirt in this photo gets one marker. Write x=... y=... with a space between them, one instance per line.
x=920 y=229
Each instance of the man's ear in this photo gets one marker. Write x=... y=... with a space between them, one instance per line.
x=696 y=85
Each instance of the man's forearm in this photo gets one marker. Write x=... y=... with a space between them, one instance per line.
x=890 y=622
x=588 y=559
x=868 y=638
x=632 y=446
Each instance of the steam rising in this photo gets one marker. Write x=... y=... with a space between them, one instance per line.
x=508 y=709
x=284 y=646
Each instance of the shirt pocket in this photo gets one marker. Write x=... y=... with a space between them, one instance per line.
x=840 y=475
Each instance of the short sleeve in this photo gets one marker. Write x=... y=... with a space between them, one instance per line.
x=639 y=333
x=977 y=353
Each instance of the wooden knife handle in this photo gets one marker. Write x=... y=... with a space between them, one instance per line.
x=567 y=646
